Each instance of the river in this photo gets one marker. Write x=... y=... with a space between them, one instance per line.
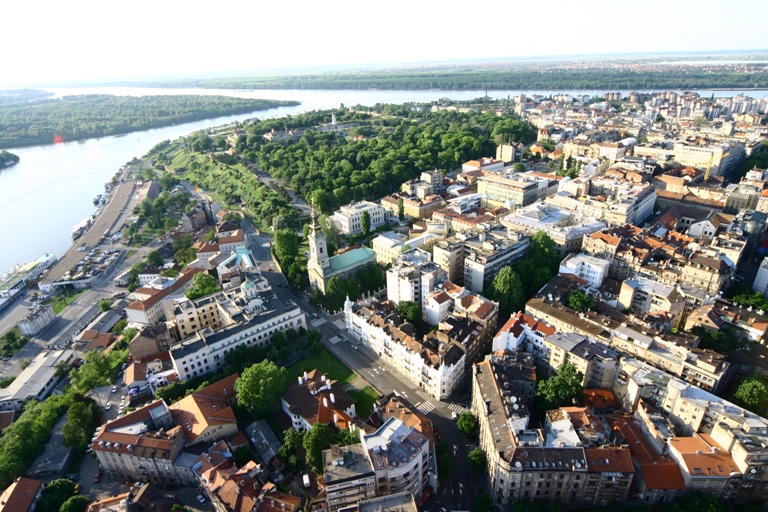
x=52 y=187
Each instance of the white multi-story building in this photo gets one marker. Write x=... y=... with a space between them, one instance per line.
x=566 y=228
x=258 y=314
x=761 y=280
x=412 y=277
x=349 y=219
x=35 y=381
x=37 y=320
x=390 y=245
x=592 y=270
x=434 y=368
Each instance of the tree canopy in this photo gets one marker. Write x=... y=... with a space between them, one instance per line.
x=752 y=394
x=506 y=288
x=317 y=439
x=75 y=504
x=54 y=495
x=410 y=312
x=260 y=387
x=286 y=244
x=562 y=389
x=580 y=301
x=467 y=423
x=202 y=284
x=80 y=117
x=476 y=460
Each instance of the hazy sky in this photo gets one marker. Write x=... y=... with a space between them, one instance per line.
x=45 y=41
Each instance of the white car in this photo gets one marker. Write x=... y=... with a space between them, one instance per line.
x=454 y=416
x=200 y=499
x=114 y=389
x=108 y=407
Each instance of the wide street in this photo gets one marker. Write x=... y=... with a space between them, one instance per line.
x=456 y=492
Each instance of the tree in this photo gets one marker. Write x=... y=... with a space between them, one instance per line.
x=185 y=256
x=400 y=209
x=476 y=460
x=507 y=289
x=184 y=242
x=467 y=423
x=482 y=502
x=543 y=251
x=580 y=301
x=75 y=504
x=105 y=305
x=210 y=236
x=202 y=284
x=317 y=439
x=56 y=492
x=78 y=428
x=444 y=460
x=660 y=118
x=260 y=387
x=562 y=389
x=119 y=326
x=129 y=333
x=409 y=311
x=518 y=167
x=155 y=258
x=286 y=244
x=292 y=441
x=371 y=277
x=752 y=394
x=365 y=222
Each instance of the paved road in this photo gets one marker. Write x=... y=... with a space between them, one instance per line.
x=455 y=493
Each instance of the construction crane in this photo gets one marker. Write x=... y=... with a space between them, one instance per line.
x=709 y=164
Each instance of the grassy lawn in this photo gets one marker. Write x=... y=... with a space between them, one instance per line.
x=365 y=398
x=130 y=253
x=65 y=299
x=326 y=363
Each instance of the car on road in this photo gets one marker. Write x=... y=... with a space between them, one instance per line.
x=454 y=416
x=114 y=389
x=73 y=476
x=200 y=499
x=269 y=269
x=97 y=478
x=6 y=358
x=108 y=407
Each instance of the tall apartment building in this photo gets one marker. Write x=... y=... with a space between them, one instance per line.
x=475 y=258
x=522 y=465
x=141 y=445
x=391 y=460
x=436 y=364
x=506 y=191
x=645 y=295
x=592 y=270
x=248 y=315
x=349 y=219
x=413 y=277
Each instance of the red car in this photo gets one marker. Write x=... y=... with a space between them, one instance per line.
x=97 y=478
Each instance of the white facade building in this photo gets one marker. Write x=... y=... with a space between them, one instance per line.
x=413 y=277
x=348 y=219
x=592 y=270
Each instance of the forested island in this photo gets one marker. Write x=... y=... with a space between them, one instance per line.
x=82 y=117
x=673 y=77
x=7 y=159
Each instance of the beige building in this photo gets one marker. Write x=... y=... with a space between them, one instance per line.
x=507 y=192
x=349 y=476
x=206 y=415
x=141 y=445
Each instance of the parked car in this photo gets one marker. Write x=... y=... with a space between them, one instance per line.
x=454 y=416
x=114 y=389
x=97 y=478
x=109 y=406
x=74 y=477
x=200 y=499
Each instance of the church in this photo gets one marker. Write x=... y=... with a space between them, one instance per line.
x=322 y=267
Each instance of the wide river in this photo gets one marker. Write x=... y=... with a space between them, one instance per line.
x=53 y=186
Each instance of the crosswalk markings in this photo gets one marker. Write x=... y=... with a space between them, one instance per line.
x=317 y=322
x=424 y=407
x=334 y=340
x=456 y=407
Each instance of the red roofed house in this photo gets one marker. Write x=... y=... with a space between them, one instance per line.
x=317 y=399
x=141 y=445
x=518 y=328
x=207 y=415
x=150 y=309
x=657 y=477
x=21 y=495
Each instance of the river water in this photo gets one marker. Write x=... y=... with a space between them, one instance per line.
x=52 y=187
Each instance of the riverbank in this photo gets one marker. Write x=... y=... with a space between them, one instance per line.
x=90 y=116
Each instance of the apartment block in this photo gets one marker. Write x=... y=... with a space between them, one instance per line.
x=413 y=277
x=506 y=191
x=248 y=315
x=349 y=219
